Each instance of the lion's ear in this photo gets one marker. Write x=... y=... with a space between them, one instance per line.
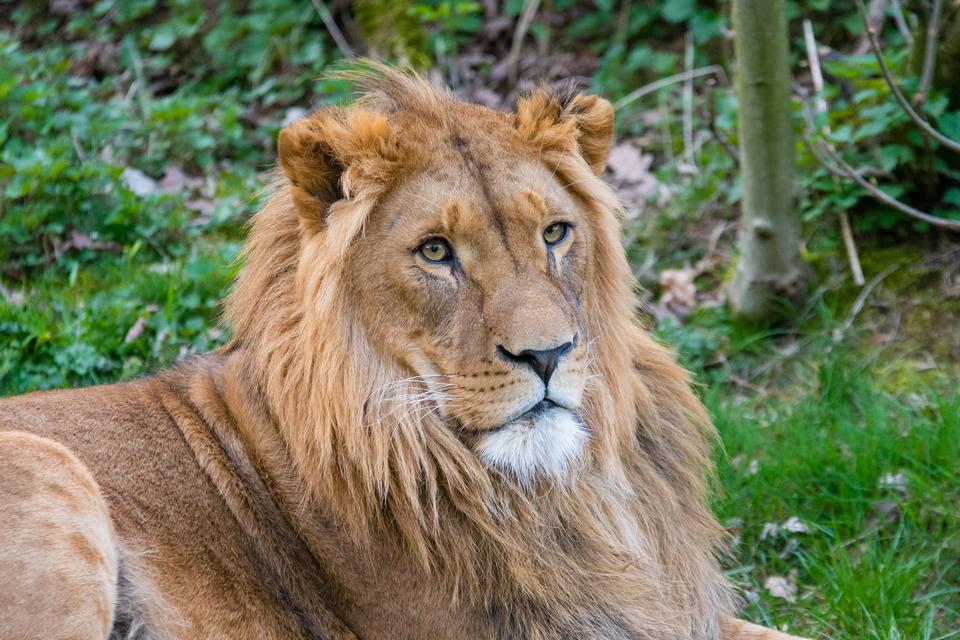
x=331 y=154
x=568 y=120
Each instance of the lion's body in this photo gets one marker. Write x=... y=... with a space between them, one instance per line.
x=394 y=446
x=189 y=525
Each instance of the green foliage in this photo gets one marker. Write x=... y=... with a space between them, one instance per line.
x=873 y=133
x=64 y=144
x=449 y=24
x=119 y=320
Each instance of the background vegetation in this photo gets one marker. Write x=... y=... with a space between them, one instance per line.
x=133 y=139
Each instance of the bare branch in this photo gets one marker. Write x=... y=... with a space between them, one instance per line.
x=636 y=94
x=925 y=126
x=687 y=102
x=345 y=49
x=853 y=255
x=815 y=73
x=875 y=15
x=861 y=300
x=813 y=59
x=543 y=47
x=710 y=117
x=929 y=53
x=901 y=22
x=838 y=166
x=523 y=25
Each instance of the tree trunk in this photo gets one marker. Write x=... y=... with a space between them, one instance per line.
x=770 y=266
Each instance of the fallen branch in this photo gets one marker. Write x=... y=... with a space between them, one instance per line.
x=925 y=126
x=861 y=300
x=852 y=256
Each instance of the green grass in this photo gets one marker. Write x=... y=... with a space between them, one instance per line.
x=873 y=477
x=116 y=319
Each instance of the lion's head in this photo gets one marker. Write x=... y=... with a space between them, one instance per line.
x=474 y=263
x=438 y=309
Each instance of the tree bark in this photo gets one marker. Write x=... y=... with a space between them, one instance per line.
x=770 y=266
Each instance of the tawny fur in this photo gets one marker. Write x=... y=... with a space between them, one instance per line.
x=316 y=476
x=59 y=555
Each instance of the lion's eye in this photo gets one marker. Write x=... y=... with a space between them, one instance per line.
x=555 y=233
x=435 y=250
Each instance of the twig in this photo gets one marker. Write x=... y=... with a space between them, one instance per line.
x=925 y=126
x=845 y=170
x=746 y=384
x=636 y=94
x=817 y=75
x=851 y=246
x=813 y=59
x=142 y=88
x=861 y=300
x=850 y=172
x=720 y=136
x=688 y=100
x=709 y=114
x=901 y=22
x=78 y=147
x=875 y=14
x=929 y=53
x=523 y=25
x=544 y=45
x=345 y=49
x=819 y=149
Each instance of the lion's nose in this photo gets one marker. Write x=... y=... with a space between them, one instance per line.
x=543 y=361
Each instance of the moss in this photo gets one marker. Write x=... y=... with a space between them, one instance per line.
x=907 y=318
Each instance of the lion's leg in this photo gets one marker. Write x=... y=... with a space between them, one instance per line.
x=58 y=554
x=739 y=630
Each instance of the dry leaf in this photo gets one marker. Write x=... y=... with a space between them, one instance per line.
x=13 y=297
x=627 y=163
x=794 y=525
x=139 y=182
x=679 y=294
x=781 y=587
x=136 y=330
x=895 y=481
x=770 y=530
x=202 y=206
x=175 y=180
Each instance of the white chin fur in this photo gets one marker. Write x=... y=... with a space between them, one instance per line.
x=549 y=444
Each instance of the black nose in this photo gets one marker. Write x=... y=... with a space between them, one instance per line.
x=543 y=361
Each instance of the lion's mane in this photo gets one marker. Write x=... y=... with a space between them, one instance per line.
x=633 y=523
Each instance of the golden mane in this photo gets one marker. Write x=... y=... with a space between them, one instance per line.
x=387 y=466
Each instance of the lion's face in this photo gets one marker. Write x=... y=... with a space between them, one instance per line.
x=476 y=285
x=470 y=272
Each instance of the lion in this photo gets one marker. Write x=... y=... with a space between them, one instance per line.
x=437 y=416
